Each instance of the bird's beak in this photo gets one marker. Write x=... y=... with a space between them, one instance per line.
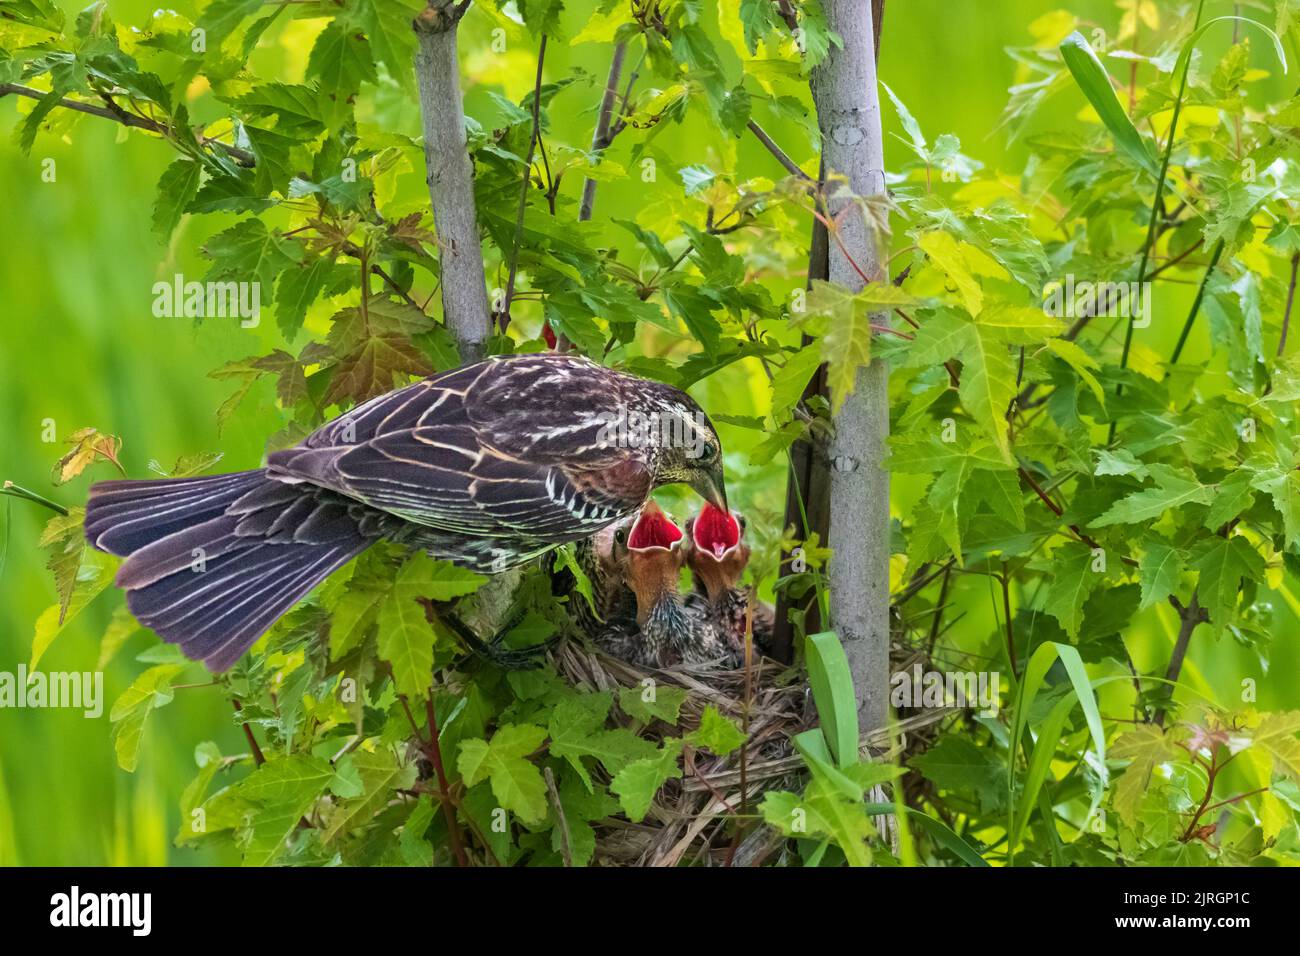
x=711 y=487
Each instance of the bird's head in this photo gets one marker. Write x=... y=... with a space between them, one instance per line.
x=650 y=555
x=684 y=445
x=715 y=549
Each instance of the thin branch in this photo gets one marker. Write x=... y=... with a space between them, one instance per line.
x=1157 y=208
x=444 y=790
x=1190 y=615
x=781 y=156
x=119 y=115
x=1290 y=301
x=602 y=137
x=1196 y=305
x=562 y=824
x=259 y=758
x=503 y=317
x=1006 y=612
x=18 y=491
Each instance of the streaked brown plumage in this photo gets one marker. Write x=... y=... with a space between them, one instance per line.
x=487 y=466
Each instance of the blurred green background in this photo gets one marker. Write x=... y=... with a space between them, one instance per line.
x=80 y=346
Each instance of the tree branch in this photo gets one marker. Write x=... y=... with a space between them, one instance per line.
x=777 y=151
x=1290 y=301
x=450 y=175
x=1190 y=615
x=118 y=115
x=435 y=755
x=602 y=137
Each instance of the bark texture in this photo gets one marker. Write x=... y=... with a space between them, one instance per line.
x=450 y=175
x=846 y=95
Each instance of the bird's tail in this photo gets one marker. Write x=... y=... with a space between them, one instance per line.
x=213 y=562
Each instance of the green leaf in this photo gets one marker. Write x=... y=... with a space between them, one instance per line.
x=1284 y=489
x=716 y=733
x=151 y=690
x=381 y=774
x=177 y=188
x=285 y=790
x=654 y=702
x=1160 y=569
x=1174 y=488
x=638 y=782
x=516 y=782
x=946 y=253
x=1082 y=363
x=1276 y=734
x=1040 y=761
x=222 y=17
x=405 y=635
x=387 y=26
x=1223 y=563
x=1073 y=579
x=297 y=289
x=248 y=252
x=1147 y=747
x=957 y=763
x=416 y=850
x=988 y=383
x=93 y=574
x=341 y=61
x=1232 y=496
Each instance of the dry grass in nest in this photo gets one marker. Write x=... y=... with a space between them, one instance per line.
x=689 y=820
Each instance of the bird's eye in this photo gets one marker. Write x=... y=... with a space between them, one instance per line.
x=707 y=452
x=620 y=536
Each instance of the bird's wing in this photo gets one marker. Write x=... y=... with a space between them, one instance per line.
x=417 y=453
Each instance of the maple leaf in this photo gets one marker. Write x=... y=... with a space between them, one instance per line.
x=374 y=349
x=88 y=446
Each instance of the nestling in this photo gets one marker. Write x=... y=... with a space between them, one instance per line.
x=717 y=556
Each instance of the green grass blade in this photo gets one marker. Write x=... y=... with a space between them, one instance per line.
x=1094 y=81
x=832 y=687
x=942 y=834
x=1087 y=700
x=1049 y=738
x=1185 y=56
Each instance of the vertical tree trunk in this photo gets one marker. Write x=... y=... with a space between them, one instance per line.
x=451 y=179
x=848 y=113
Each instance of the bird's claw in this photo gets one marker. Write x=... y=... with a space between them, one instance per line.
x=495 y=651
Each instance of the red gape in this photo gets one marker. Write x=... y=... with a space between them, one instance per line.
x=548 y=334
x=715 y=532
x=653 y=529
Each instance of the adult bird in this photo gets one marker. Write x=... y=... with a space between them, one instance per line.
x=487 y=466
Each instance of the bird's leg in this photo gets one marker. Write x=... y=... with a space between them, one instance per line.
x=494 y=650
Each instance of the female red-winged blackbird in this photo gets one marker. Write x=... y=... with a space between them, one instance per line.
x=665 y=632
x=717 y=556
x=487 y=466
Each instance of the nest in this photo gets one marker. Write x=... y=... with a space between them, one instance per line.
x=691 y=820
